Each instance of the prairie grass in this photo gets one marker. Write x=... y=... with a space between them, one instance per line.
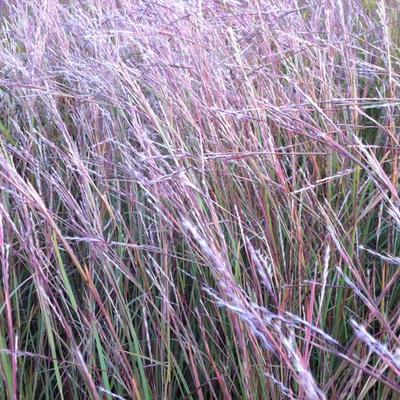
x=199 y=199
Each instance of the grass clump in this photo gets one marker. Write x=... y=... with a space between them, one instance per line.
x=199 y=200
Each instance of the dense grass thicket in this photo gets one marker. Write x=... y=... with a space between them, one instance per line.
x=199 y=199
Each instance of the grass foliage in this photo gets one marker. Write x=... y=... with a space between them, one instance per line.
x=199 y=199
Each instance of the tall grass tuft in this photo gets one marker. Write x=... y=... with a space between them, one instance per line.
x=199 y=199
